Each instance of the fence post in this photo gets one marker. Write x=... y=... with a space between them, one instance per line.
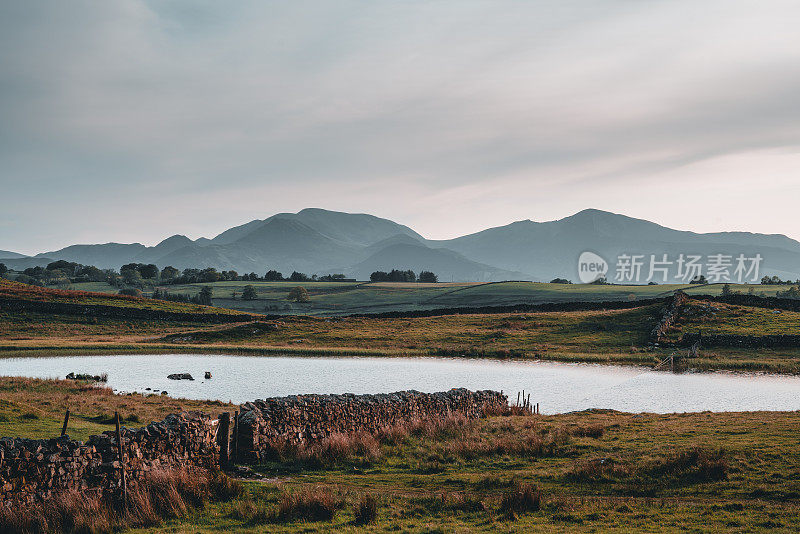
x=235 y=454
x=224 y=438
x=66 y=421
x=121 y=461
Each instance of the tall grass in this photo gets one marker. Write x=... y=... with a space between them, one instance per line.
x=162 y=494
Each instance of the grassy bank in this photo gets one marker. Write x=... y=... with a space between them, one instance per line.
x=591 y=471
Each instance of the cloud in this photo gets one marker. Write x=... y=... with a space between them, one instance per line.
x=211 y=113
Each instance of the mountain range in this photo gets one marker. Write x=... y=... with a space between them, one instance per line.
x=318 y=241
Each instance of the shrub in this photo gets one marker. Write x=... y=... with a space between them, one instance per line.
x=366 y=511
x=30 y=416
x=130 y=292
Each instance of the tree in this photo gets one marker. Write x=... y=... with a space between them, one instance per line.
x=298 y=294
x=3 y=269
x=169 y=273
x=131 y=277
x=698 y=280
x=427 y=277
x=726 y=290
x=273 y=276
x=379 y=276
x=298 y=277
x=560 y=281
x=249 y=293
x=68 y=268
x=209 y=274
x=204 y=297
x=149 y=271
x=396 y=275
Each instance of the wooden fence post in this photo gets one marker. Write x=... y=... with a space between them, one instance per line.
x=224 y=438
x=121 y=461
x=235 y=454
x=66 y=421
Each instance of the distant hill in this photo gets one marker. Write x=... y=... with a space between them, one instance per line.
x=105 y=256
x=546 y=249
x=317 y=241
x=5 y=254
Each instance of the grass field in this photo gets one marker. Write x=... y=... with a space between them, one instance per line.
x=343 y=298
x=719 y=318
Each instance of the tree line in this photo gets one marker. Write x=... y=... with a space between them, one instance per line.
x=397 y=275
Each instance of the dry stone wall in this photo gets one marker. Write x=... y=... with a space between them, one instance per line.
x=307 y=418
x=31 y=470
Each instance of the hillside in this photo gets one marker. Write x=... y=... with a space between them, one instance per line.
x=5 y=254
x=23 y=297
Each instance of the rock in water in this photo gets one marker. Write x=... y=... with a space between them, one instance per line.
x=180 y=376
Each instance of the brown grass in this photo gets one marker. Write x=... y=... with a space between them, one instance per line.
x=366 y=511
x=162 y=494
x=521 y=499
x=309 y=504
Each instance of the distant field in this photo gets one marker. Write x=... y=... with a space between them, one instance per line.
x=343 y=298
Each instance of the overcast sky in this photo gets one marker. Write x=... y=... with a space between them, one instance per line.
x=134 y=120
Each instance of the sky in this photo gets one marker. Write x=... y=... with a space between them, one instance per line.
x=132 y=120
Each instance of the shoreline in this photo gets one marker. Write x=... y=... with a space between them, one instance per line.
x=634 y=359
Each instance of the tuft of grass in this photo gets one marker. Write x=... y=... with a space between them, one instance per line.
x=366 y=511
x=522 y=498
x=591 y=431
x=309 y=504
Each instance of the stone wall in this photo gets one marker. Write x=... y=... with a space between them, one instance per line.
x=306 y=418
x=31 y=470
x=569 y=306
x=738 y=340
x=675 y=305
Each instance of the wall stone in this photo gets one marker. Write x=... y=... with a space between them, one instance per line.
x=308 y=418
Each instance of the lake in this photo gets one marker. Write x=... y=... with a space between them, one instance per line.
x=558 y=387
